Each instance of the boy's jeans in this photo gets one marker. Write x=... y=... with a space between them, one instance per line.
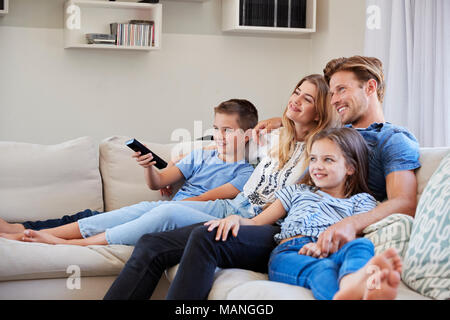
x=128 y=224
x=322 y=275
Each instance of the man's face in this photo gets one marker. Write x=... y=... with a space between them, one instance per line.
x=348 y=96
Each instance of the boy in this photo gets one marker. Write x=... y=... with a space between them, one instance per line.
x=209 y=175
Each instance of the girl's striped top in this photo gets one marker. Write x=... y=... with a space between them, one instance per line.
x=311 y=211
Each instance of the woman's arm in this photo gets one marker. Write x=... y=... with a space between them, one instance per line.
x=232 y=223
x=225 y=191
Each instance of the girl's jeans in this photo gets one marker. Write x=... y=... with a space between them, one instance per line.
x=321 y=275
x=128 y=224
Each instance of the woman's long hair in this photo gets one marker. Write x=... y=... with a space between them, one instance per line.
x=328 y=117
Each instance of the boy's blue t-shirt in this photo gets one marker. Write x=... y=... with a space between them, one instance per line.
x=391 y=148
x=204 y=171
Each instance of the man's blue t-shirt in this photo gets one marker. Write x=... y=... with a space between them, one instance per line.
x=391 y=148
x=204 y=171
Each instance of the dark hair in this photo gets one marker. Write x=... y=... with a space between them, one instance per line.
x=248 y=115
x=364 y=68
x=355 y=151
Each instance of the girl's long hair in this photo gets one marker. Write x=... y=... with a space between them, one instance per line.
x=356 y=154
x=328 y=117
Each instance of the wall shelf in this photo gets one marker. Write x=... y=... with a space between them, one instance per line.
x=230 y=20
x=96 y=16
x=5 y=8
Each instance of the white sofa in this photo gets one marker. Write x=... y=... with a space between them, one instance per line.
x=41 y=182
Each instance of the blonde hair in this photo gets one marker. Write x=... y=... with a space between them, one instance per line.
x=327 y=115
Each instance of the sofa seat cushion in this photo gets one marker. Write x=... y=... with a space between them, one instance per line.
x=23 y=260
x=48 y=181
x=240 y=284
x=270 y=290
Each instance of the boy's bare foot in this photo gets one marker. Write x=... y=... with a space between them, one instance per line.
x=378 y=279
x=6 y=227
x=40 y=236
x=12 y=236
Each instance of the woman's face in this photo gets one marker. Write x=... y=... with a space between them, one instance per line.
x=301 y=107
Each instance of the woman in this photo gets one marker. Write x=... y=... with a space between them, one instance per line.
x=307 y=113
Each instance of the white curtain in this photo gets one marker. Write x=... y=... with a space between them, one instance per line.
x=412 y=38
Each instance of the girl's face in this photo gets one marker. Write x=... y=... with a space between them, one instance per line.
x=301 y=107
x=328 y=167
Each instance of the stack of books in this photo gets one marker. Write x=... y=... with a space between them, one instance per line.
x=134 y=33
x=273 y=13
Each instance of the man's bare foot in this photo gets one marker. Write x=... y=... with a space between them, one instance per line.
x=6 y=227
x=378 y=279
x=12 y=236
x=40 y=236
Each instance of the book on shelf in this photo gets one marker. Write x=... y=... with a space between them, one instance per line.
x=273 y=13
x=134 y=33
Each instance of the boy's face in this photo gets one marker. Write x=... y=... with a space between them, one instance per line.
x=228 y=135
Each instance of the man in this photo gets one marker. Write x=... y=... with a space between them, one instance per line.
x=357 y=92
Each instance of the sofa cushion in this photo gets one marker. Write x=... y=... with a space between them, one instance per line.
x=47 y=181
x=24 y=260
x=123 y=179
x=427 y=260
x=391 y=232
x=430 y=159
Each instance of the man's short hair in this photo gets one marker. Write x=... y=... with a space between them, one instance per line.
x=246 y=111
x=364 y=68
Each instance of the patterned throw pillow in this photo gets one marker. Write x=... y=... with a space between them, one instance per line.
x=391 y=232
x=426 y=266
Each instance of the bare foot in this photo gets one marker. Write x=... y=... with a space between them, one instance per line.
x=378 y=279
x=12 y=236
x=40 y=236
x=387 y=289
x=6 y=227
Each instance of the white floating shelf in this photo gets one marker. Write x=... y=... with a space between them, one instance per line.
x=96 y=16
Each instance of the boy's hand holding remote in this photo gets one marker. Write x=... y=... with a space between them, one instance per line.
x=145 y=160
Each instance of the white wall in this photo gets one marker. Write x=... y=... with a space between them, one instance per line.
x=49 y=94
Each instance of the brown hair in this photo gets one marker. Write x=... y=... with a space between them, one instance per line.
x=327 y=115
x=355 y=151
x=364 y=68
x=246 y=111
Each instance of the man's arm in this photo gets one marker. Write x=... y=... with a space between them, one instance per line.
x=401 y=189
x=225 y=191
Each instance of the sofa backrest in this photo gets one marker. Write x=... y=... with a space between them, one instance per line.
x=43 y=182
x=429 y=159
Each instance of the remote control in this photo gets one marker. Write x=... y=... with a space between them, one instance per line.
x=139 y=147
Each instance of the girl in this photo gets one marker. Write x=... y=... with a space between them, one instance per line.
x=334 y=188
x=307 y=113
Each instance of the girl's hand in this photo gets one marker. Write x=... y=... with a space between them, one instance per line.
x=224 y=226
x=310 y=249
